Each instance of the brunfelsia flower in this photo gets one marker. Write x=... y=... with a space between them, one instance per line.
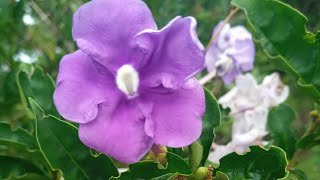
x=131 y=85
x=249 y=104
x=231 y=53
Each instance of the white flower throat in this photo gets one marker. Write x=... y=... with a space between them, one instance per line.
x=127 y=79
x=224 y=65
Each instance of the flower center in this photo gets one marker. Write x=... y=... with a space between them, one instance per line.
x=224 y=65
x=127 y=79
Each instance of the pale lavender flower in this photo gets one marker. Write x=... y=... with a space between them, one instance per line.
x=130 y=85
x=231 y=53
x=249 y=104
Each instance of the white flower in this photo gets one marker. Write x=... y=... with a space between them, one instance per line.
x=231 y=53
x=249 y=104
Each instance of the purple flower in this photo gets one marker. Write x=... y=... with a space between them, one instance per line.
x=130 y=85
x=231 y=53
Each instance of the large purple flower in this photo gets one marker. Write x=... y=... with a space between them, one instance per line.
x=231 y=53
x=130 y=85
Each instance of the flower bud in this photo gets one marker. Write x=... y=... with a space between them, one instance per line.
x=159 y=154
x=201 y=173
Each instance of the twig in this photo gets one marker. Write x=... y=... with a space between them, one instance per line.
x=233 y=11
x=208 y=77
x=40 y=12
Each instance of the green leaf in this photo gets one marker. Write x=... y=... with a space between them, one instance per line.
x=177 y=151
x=19 y=144
x=175 y=176
x=309 y=140
x=6 y=9
x=281 y=31
x=150 y=169
x=30 y=176
x=13 y=168
x=19 y=136
x=34 y=83
x=259 y=164
x=300 y=175
x=279 y=120
x=312 y=135
x=210 y=121
x=59 y=143
x=220 y=176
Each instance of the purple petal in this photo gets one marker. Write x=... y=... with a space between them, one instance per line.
x=240 y=33
x=118 y=132
x=177 y=114
x=212 y=56
x=229 y=77
x=244 y=49
x=104 y=29
x=176 y=53
x=81 y=86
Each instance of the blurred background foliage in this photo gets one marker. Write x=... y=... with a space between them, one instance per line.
x=39 y=32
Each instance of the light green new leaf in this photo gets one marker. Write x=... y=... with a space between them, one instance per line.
x=59 y=143
x=281 y=31
x=279 y=120
x=196 y=153
x=259 y=163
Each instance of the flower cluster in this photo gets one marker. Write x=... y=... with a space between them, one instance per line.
x=249 y=104
x=231 y=53
x=131 y=85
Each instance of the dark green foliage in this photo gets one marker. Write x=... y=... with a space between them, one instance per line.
x=259 y=163
x=280 y=120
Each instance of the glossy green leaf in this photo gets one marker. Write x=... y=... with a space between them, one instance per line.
x=210 y=121
x=259 y=164
x=281 y=31
x=150 y=169
x=34 y=83
x=279 y=120
x=59 y=143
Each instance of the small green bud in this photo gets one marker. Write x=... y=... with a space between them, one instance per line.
x=201 y=173
x=314 y=114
